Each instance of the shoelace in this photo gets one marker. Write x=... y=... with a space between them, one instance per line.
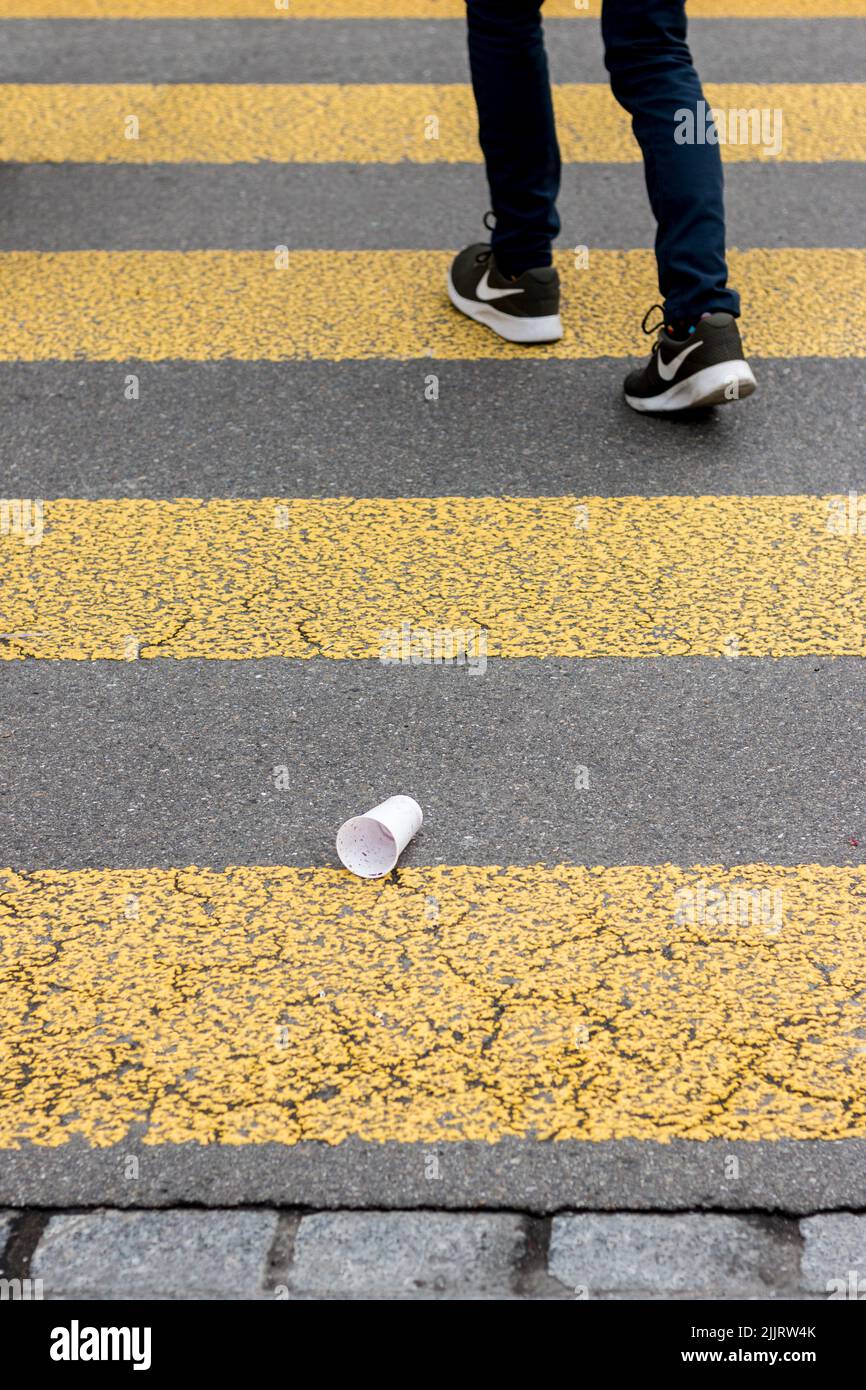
x=484 y=256
x=654 y=328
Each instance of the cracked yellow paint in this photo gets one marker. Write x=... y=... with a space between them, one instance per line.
x=394 y=9
x=256 y=1004
x=627 y=577
x=336 y=305
x=385 y=123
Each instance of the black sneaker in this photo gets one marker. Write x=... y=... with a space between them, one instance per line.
x=523 y=310
x=705 y=368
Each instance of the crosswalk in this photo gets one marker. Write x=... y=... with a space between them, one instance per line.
x=281 y=305
x=500 y=998
x=391 y=9
x=378 y=123
x=289 y=1004
x=548 y=576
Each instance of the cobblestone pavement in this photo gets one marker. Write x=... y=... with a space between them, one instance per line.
x=273 y=1254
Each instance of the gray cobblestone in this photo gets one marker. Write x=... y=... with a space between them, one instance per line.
x=183 y=1254
x=422 y=1255
x=406 y=1254
x=677 y=1254
x=834 y=1254
x=7 y=1221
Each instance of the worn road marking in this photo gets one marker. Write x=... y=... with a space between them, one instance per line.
x=333 y=305
x=257 y=1004
x=388 y=123
x=553 y=576
x=394 y=9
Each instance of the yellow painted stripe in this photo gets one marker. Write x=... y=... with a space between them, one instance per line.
x=210 y=305
x=276 y=1004
x=386 y=123
x=629 y=577
x=394 y=9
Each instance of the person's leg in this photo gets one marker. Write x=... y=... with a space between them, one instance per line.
x=511 y=286
x=516 y=129
x=653 y=77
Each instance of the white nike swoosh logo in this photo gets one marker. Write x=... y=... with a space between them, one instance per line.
x=484 y=290
x=668 y=370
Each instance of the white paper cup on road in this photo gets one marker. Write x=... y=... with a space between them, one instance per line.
x=370 y=845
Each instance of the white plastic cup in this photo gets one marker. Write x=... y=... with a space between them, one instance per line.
x=370 y=845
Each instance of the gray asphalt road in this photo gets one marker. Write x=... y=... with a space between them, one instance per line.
x=690 y=761
x=401 y=51
x=355 y=428
x=169 y=763
x=164 y=207
x=626 y=1175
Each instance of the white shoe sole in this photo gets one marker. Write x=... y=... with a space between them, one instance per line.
x=716 y=385
x=546 y=328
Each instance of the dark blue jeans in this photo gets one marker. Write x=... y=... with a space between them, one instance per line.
x=652 y=76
